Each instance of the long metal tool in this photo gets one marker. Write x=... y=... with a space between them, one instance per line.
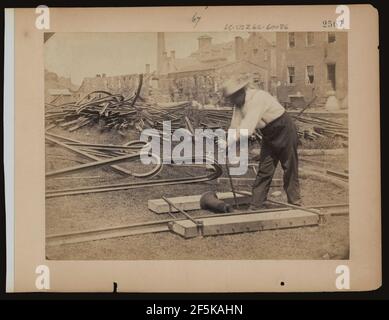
x=198 y=223
x=231 y=183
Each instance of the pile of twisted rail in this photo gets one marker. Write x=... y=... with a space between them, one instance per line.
x=111 y=155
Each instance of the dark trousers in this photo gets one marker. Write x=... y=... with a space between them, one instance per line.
x=279 y=144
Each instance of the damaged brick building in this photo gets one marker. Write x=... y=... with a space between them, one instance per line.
x=312 y=64
x=199 y=76
x=123 y=84
x=306 y=65
x=309 y=66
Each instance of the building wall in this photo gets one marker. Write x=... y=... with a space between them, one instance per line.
x=255 y=49
x=53 y=81
x=124 y=84
x=338 y=53
x=244 y=70
x=207 y=52
x=160 y=50
x=203 y=85
x=196 y=85
x=318 y=55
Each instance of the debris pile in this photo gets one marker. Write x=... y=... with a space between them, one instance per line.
x=115 y=112
x=214 y=119
x=312 y=127
x=309 y=127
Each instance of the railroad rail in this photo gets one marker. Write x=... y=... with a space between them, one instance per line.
x=103 y=156
x=162 y=226
x=216 y=172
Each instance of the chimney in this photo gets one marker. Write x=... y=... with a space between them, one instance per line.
x=164 y=67
x=160 y=50
x=103 y=75
x=273 y=61
x=147 y=68
x=204 y=42
x=173 y=54
x=238 y=48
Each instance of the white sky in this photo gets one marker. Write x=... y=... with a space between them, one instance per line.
x=79 y=55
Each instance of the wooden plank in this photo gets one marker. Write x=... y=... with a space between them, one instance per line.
x=245 y=223
x=192 y=202
x=186 y=228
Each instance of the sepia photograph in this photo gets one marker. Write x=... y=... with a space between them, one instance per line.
x=192 y=149
x=196 y=145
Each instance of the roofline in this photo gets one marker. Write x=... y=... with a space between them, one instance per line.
x=193 y=70
x=230 y=63
x=220 y=66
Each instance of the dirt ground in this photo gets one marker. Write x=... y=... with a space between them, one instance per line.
x=84 y=212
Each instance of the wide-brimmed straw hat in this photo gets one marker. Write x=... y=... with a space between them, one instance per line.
x=233 y=85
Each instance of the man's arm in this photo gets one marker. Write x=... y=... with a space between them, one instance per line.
x=255 y=109
x=236 y=119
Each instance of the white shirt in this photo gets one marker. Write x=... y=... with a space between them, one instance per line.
x=259 y=109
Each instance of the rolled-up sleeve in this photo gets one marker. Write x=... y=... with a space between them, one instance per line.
x=255 y=109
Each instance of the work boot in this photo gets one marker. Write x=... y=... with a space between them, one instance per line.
x=298 y=203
